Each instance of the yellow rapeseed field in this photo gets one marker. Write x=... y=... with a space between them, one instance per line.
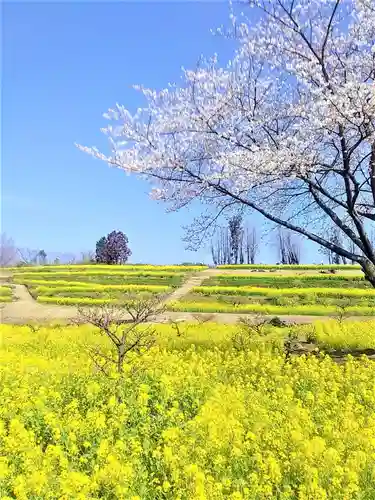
x=191 y=419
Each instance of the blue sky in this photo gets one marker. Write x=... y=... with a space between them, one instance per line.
x=64 y=64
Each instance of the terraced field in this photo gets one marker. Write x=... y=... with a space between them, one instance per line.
x=186 y=290
x=237 y=411
x=81 y=285
x=284 y=294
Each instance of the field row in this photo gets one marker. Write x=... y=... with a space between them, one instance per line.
x=88 y=294
x=289 y=281
x=104 y=279
x=105 y=268
x=57 y=274
x=317 y=267
x=269 y=309
x=283 y=292
x=193 y=417
x=5 y=293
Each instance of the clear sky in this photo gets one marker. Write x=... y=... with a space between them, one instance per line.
x=64 y=64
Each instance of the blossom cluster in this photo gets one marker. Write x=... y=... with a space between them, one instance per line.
x=301 y=82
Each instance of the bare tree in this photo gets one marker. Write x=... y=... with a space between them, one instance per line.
x=353 y=249
x=235 y=236
x=234 y=244
x=337 y=240
x=28 y=256
x=8 y=251
x=42 y=257
x=281 y=247
x=221 y=247
x=293 y=249
x=124 y=326
x=218 y=247
x=242 y=247
x=251 y=245
x=289 y=248
x=87 y=257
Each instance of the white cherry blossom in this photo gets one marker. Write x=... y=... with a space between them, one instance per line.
x=286 y=128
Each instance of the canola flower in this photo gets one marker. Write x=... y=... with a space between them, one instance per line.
x=347 y=335
x=194 y=421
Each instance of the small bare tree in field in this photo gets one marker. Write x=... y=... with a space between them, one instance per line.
x=249 y=329
x=125 y=327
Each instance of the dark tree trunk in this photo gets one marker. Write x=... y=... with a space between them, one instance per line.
x=369 y=270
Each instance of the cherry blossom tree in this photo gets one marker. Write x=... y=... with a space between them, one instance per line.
x=285 y=129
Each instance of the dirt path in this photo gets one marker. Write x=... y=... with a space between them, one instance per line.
x=193 y=281
x=25 y=309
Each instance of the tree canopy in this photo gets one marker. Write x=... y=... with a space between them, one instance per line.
x=286 y=128
x=113 y=248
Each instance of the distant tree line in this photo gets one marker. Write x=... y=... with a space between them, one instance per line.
x=235 y=244
x=110 y=249
x=289 y=247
